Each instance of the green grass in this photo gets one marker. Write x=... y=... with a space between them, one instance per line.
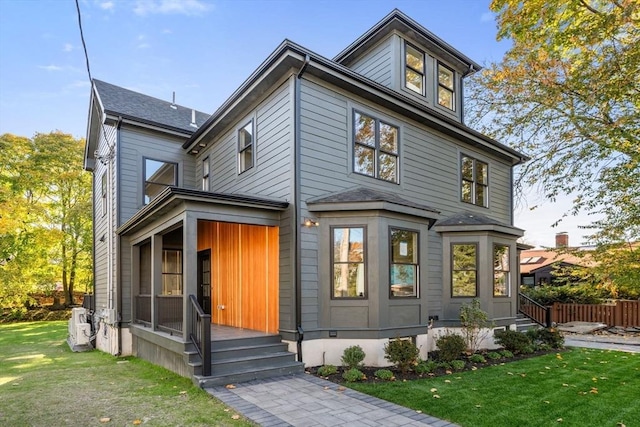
x=581 y=387
x=43 y=383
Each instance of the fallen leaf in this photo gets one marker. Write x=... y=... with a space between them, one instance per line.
x=620 y=425
x=105 y=419
x=418 y=411
x=183 y=392
x=433 y=390
x=594 y=390
x=509 y=373
x=523 y=375
x=137 y=422
x=342 y=388
x=559 y=420
x=478 y=406
x=235 y=417
x=448 y=372
x=435 y=396
x=447 y=381
x=565 y=385
x=474 y=368
x=227 y=410
x=326 y=388
x=230 y=386
x=546 y=367
x=547 y=402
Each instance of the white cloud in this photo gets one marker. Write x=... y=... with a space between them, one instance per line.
x=68 y=47
x=487 y=17
x=107 y=5
x=167 y=7
x=50 y=67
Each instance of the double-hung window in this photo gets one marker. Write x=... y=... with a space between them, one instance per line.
x=349 y=262
x=171 y=272
x=246 y=147
x=157 y=176
x=414 y=75
x=404 y=263
x=375 y=150
x=446 y=88
x=205 y=174
x=501 y=271
x=474 y=181
x=464 y=270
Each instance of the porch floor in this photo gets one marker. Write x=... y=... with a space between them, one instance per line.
x=222 y=333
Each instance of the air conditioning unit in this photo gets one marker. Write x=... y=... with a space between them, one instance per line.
x=78 y=315
x=83 y=333
x=79 y=330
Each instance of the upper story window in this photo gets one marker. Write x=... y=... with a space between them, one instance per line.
x=446 y=87
x=246 y=147
x=375 y=148
x=464 y=270
x=205 y=174
x=404 y=263
x=348 y=262
x=157 y=176
x=474 y=181
x=501 y=276
x=414 y=75
x=103 y=198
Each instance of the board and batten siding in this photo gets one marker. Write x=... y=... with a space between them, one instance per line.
x=377 y=64
x=429 y=175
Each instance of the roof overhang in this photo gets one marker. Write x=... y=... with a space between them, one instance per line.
x=483 y=228
x=430 y=215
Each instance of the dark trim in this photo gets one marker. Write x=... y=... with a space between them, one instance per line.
x=365 y=262
x=144 y=176
x=241 y=150
x=417 y=264
x=424 y=67
x=454 y=100
x=475 y=182
x=452 y=244
x=493 y=271
x=376 y=148
x=186 y=132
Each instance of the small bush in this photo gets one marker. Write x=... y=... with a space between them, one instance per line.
x=425 y=367
x=402 y=353
x=326 y=370
x=478 y=358
x=546 y=338
x=458 y=365
x=506 y=353
x=353 y=356
x=353 y=375
x=450 y=346
x=384 y=374
x=494 y=355
x=444 y=365
x=514 y=341
x=475 y=323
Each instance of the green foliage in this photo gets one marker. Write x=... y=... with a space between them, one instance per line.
x=326 y=370
x=494 y=355
x=402 y=353
x=478 y=358
x=384 y=374
x=425 y=367
x=353 y=356
x=475 y=324
x=444 y=365
x=450 y=347
x=514 y=341
x=353 y=375
x=546 y=338
x=566 y=294
x=506 y=353
x=458 y=365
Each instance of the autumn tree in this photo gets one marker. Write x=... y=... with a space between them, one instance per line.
x=567 y=93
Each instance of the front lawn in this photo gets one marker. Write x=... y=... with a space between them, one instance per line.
x=42 y=383
x=580 y=387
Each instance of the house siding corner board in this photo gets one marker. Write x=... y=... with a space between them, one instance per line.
x=377 y=64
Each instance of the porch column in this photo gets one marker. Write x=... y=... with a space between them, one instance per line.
x=190 y=268
x=156 y=276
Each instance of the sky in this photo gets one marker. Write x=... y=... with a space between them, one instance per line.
x=203 y=50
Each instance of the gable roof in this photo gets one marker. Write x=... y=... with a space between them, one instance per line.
x=535 y=259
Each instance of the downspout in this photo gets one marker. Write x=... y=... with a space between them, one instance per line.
x=297 y=220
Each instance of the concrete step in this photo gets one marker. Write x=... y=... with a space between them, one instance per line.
x=291 y=368
x=247 y=350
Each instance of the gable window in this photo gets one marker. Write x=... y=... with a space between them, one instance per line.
x=375 y=151
x=171 y=272
x=157 y=176
x=205 y=174
x=103 y=199
x=501 y=280
x=246 y=147
x=404 y=263
x=446 y=89
x=348 y=262
x=414 y=69
x=474 y=181
x=464 y=270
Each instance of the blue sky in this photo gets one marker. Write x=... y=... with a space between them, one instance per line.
x=203 y=50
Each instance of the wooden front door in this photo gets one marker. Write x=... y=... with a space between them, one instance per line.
x=244 y=279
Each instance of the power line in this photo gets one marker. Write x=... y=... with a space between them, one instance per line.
x=84 y=45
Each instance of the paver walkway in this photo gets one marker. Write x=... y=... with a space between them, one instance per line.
x=305 y=400
x=618 y=343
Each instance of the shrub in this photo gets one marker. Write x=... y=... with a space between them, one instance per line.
x=444 y=365
x=384 y=374
x=425 y=367
x=402 y=353
x=506 y=353
x=353 y=375
x=475 y=324
x=494 y=355
x=353 y=356
x=458 y=365
x=326 y=370
x=514 y=341
x=567 y=294
x=450 y=346
x=478 y=358
x=549 y=337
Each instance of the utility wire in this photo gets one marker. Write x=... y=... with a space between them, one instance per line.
x=84 y=45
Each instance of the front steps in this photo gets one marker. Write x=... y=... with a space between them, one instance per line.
x=523 y=323
x=245 y=359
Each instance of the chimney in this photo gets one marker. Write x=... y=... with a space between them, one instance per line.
x=562 y=239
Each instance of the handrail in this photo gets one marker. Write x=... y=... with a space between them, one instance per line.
x=534 y=310
x=200 y=334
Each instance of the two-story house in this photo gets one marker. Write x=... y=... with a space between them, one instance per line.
x=331 y=202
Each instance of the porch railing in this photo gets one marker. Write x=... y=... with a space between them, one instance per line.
x=535 y=311
x=200 y=334
x=143 y=309
x=169 y=309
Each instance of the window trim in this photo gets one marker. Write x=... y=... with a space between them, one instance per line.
x=451 y=90
x=144 y=176
x=507 y=271
x=422 y=72
x=163 y=274
x=206 y=168
x=474 y=182
x=417 y=264
x=364 y=262
x=252 y=146
x=378 y=150
x=452 y=264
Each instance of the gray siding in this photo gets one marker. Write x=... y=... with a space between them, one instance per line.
x=377 y=64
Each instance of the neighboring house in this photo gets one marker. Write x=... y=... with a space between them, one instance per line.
x=332 y=202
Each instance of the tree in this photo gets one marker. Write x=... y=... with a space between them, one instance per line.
x=567 y=94
x=45 y=215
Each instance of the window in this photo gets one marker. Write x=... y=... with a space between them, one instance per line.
x=171 y=272
x=375 y=151
x=414 y=69
x=404 y=263
x=446 y=92
x=104 y=194
x=157 y=176
x=464 y=270
x=474 y=181
x=245 y=147
x=205 y=174
x=348 y=262
x=501 y=280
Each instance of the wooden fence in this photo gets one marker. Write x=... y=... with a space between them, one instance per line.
x=622 y=313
